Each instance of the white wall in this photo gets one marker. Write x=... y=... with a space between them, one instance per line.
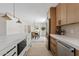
x=14 y=28
x=6 y=7
x=2 y=26
x=9 y=27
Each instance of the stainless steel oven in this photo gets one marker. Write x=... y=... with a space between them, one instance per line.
x=21 y=46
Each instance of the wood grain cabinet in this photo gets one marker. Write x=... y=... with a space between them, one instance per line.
x=76 y=52
x=61 y=14
x=68 y=13
x=77 y=12
x=58 y=17
x=58 y=11
x=51 y=24
x=71 y=13
x=52 y=20
x=53 y=46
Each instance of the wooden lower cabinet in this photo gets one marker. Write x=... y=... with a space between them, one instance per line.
x=53 y=46
x=76 y=52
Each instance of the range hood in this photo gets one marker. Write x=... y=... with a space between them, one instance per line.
x=7 y=16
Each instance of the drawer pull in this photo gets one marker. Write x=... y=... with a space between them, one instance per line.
x=14 y=53
x=9 y=51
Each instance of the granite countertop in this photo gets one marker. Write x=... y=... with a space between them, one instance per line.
x=74 y=42
x=10 y=39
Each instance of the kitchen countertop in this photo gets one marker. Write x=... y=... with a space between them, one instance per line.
x=74 y=42
x=10 y=39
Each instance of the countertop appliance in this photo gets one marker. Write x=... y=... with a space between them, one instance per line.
x=65 y=49
x=21 y=46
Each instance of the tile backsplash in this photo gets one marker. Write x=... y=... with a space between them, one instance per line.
x=72 y=30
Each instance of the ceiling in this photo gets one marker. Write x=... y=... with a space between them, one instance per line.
x=28 y=12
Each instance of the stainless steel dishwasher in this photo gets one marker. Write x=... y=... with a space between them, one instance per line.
x=65 y=49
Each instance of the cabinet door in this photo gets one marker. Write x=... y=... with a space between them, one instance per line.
x=63 y=14
x=12 y=53
x=71 y=14
x=53 y=46
x=76 y=52
x=53 y=20
x=77 y=12
x=58 y=17
x=9 y=51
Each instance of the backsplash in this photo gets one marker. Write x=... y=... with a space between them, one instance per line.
x=72 y=30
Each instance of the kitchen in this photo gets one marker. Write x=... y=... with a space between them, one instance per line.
x=61 y=23
x=63 y=29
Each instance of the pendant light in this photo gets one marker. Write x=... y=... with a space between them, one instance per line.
x=7 y=17
x=18 y=21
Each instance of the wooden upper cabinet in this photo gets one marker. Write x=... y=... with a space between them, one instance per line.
x=58 y=11
x=71 y=13
x=52 y=20
x=77 y=12
x=61 y=14
x=68 y=13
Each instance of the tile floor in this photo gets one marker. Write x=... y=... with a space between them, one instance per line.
x=38 y=48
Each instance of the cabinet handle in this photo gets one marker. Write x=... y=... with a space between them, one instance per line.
x=14 y=53
x=9 y=51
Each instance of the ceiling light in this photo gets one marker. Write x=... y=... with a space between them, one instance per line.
x=7 y=17
x=18 y=21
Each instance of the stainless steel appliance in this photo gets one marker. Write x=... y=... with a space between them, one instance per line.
x=21 y=46
x=65 y=49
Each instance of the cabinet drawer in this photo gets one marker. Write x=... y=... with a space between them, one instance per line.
x=52 y=52
x=76 y=52
x=53 y=45
x=53 y=49
x=8 y=50
x=53 y=41
x=12 y=53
